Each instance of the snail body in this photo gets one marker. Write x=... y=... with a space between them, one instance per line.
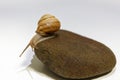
x=47 y=26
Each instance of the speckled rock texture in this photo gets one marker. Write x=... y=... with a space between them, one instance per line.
x=73 y=56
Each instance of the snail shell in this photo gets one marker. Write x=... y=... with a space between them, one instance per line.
x=48 y=24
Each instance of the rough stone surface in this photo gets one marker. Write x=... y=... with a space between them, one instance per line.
x=76 y=57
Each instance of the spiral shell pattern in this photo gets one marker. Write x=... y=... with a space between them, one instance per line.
x=48 y=24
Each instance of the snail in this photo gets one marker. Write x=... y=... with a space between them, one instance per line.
x=47 y=26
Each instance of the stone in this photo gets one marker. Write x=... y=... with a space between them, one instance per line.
x=73 y=56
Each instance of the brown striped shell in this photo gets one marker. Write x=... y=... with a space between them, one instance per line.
x=48 y=24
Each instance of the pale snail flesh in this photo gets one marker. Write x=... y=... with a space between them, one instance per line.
x=47 y=25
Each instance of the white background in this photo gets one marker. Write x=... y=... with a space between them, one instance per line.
x=96 y=19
